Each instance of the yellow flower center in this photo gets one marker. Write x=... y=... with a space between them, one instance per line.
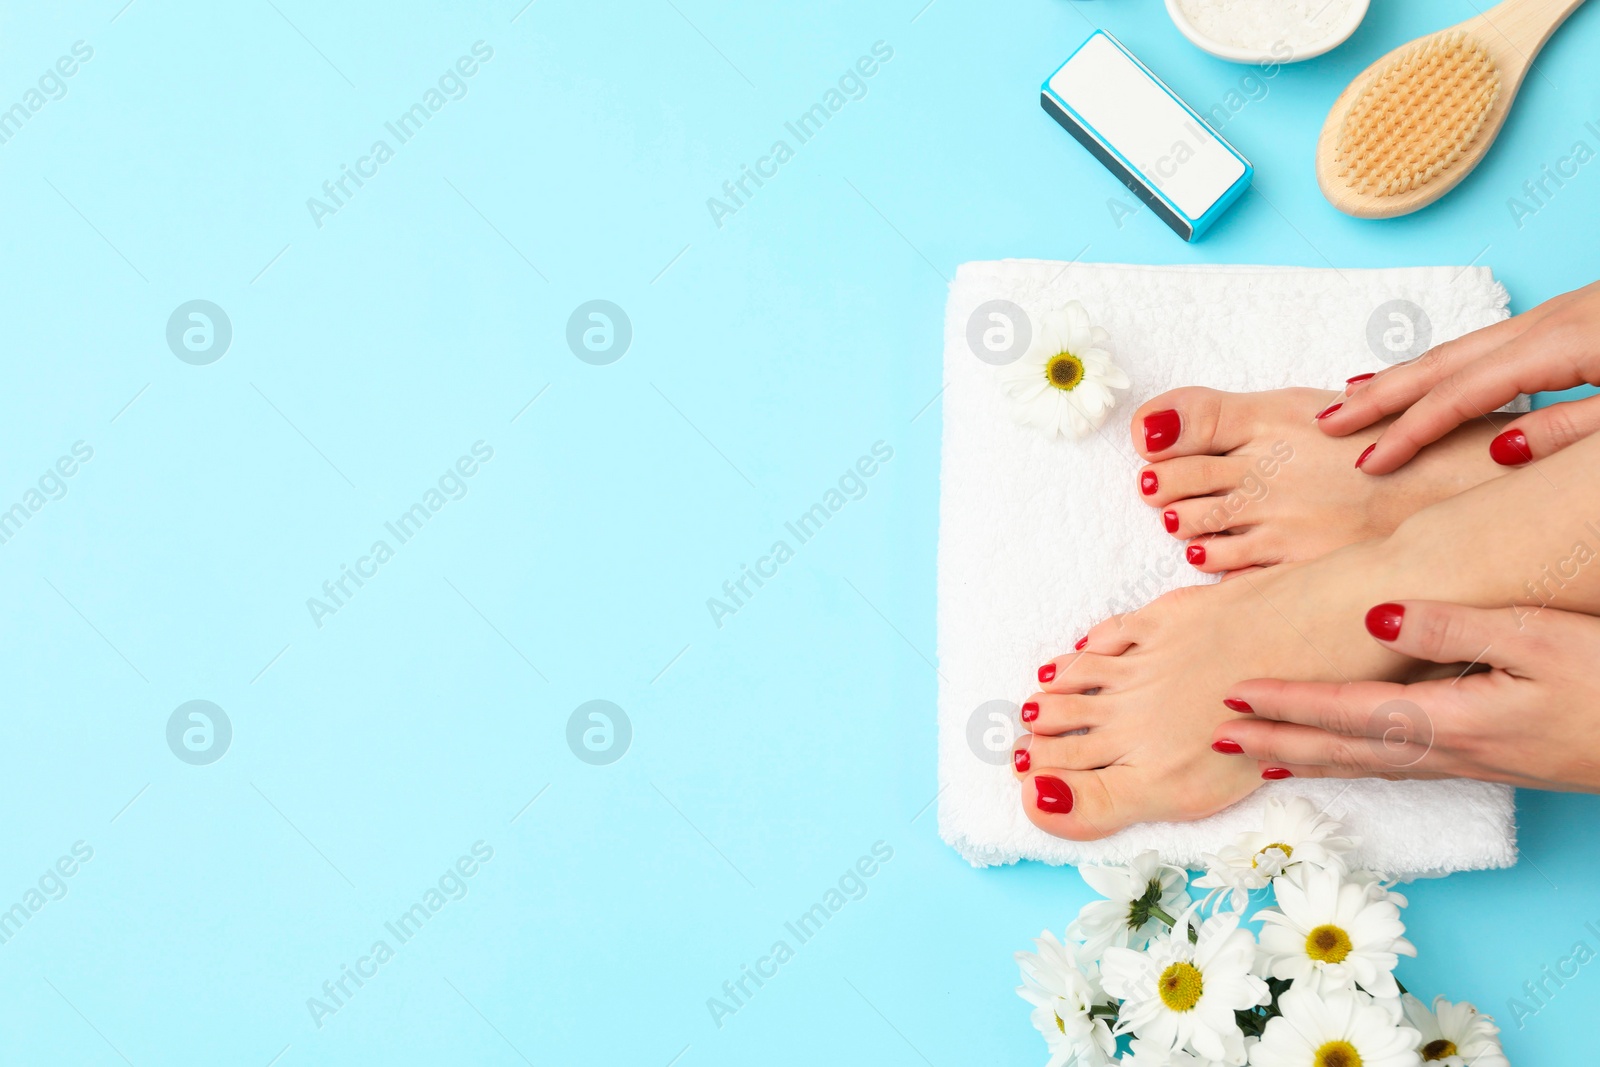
x=1329 y=944
x=1061 y=1024
x=1287 y=850
x=1438 y=1050
x=1181 y=985
x=1064 y=371
x=1337 y=1054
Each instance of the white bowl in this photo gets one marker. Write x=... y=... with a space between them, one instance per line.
x=1355 y=12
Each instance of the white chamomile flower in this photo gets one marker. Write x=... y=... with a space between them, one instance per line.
x=1334 y=1028
x=1064 y=988
x=1144 y=1054
x=1456 y=1035
x=1134 y=893
x=1332 y=932
x=1062 y=383
x=1293 y=832
x=1181 y=994
x=1379 y=886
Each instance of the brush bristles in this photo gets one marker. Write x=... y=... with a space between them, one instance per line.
x=1417 y=117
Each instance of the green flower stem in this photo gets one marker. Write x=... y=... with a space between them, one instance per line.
x=1163 y=916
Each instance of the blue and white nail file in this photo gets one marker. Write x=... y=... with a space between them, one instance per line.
x=1139 y=129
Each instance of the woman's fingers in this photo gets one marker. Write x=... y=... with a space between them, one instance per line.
x=1357 y=727
x=1286 y=750
x=1289 y=746
x=1451 y=633
x=1465 y=726
x=1399 y=387
x=1340 y=709
x=1337 y=708
x=1527 y=364
x=1549 y=347
x=1541 y=433
x=1310 y=770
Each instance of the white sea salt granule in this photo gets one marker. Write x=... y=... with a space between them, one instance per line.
x=1260 y=24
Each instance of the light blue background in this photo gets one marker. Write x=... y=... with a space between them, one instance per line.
x=768 y=355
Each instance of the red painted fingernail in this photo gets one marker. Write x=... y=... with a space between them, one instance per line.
x=1080 y=644
x=1238 y=705
x=1047 y=672
x=1052 y=795
x=1226 y=747
x=1149 y=483
x=1510 y=449
x=1196 y=554
x=1383 y=621
x=1030 y=711
x=1170 y=520
x=1358 y=379
x=1161 y=430
x=1020 y=759
x=1329 y=410
x=1365 y=453
x=1273 y=774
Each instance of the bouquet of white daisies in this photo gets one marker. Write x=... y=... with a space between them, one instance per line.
x=1149 y=977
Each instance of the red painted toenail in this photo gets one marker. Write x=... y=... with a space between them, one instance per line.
x=1161 y=430
x=1273 y=774
x=1149 y=483
x=1226 y=747
x=1169 y=519
x=1030 y=711
x=1047 y=672
x=1080 y=644
x=1510 y=449
x=1053 y=795
x=1020 y=759
x=1196 y=554
x=1238 y=705
x=1358 y=379
x=1329 y=410
x=1365 y=453
x=1383 y=621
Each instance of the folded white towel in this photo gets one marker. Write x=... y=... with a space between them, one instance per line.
x=1040 y=539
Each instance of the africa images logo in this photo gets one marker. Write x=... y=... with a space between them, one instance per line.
x=851 y=85
x=337 y=192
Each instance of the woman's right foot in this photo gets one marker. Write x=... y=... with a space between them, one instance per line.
x=1249 y=480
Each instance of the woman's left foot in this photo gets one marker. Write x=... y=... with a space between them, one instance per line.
x=1249 y=480
x=1124 y=726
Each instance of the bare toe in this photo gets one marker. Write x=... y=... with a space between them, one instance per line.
x=1193 y=421
x=1086 y=805
x=1202 y=515
x=1080 y=672
x=1085 y=751
x=1188 y=476
x=1057 y=713
x=1231 y=552
x=1113 y=636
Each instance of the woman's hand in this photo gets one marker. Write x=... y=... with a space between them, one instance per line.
x=1533 y=720
x=1554 y=346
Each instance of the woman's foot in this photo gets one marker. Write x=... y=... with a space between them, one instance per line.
x=1249 y=480
x=1123 y=729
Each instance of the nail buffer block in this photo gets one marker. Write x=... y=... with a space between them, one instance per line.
x=1139 y=129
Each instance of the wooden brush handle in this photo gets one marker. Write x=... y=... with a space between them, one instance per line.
x=1515 y=30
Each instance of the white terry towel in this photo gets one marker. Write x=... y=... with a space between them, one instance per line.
x=1007 y=602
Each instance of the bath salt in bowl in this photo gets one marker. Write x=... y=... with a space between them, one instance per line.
x=1255 y=31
